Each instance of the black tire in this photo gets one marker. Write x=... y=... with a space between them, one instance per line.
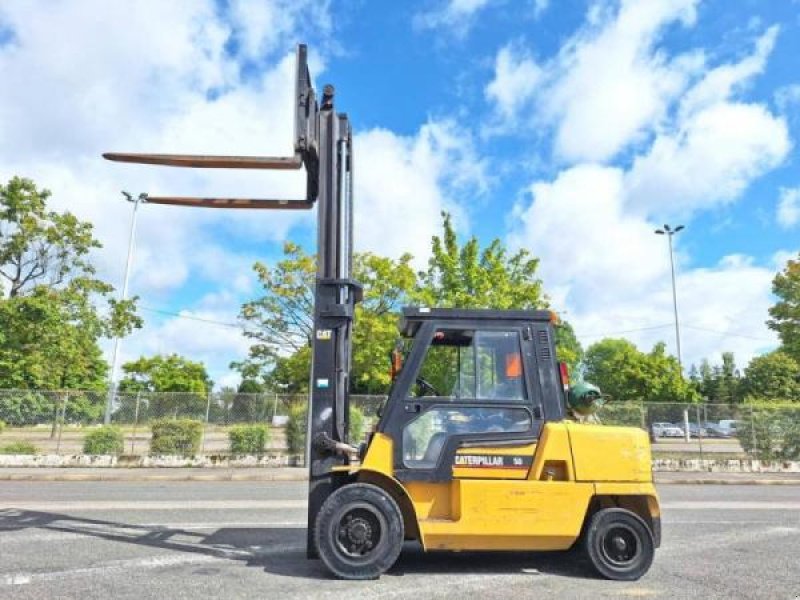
x=619 y=544
x=359 y=531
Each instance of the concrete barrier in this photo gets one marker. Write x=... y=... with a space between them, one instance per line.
x=283 y=460
x=135 y=461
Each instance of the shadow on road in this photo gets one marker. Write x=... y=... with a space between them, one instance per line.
x=281 y=550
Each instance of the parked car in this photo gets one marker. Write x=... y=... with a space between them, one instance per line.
x=696 y=430
x=666 y=430
x=726 y=428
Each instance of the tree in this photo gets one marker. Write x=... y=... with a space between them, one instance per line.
x=281 y=321
x=466 y=277
x=625 y=373
x=785 y=315
x=720 y=383
x=186 y=382
x=773 y=376
x=50 y=320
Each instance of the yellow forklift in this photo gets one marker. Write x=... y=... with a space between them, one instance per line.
x=476 y=447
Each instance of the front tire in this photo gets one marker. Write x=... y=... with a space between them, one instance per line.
x=359 y=531
x=619 y=544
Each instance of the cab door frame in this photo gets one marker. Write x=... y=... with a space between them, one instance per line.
x=402 y=409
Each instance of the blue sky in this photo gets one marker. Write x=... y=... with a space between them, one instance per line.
x=571 y=129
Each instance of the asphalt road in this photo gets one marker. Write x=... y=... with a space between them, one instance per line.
x=246 y=540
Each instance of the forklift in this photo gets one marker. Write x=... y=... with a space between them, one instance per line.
x=477 y=447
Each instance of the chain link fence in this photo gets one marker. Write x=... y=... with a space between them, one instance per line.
x=56 y=422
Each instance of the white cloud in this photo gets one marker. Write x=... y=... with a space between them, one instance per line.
x=611 y=272
x=403 y=183
x=608 y=85
x=720 y=83
x=516 y=77
x=710 y=159
x=82 y=78
x=539 y=7
x=787 y=96
x=788 y=213
x=456 y=16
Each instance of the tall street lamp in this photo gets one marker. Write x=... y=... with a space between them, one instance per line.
x=112 y=388
x=669 y=232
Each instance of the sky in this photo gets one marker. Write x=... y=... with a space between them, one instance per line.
x=572 y=129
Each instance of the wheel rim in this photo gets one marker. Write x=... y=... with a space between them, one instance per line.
x=358 y=530
x=620 y=546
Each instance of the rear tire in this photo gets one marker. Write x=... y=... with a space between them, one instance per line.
x=619 y=544
x=359 y=531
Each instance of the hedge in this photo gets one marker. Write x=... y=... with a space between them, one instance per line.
x=296 y=428
x=176 y=436
x=19 y=448
x=104 y=440
x=248 y=439
x=770 y=430
x=2 y=426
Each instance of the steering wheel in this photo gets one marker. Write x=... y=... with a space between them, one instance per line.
x=426 y=386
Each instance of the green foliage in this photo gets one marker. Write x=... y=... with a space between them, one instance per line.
x=49 y=319
x=2 y=426
x=785 y=315
x=468 y=277
x=176 y=436
x=773 y=376
x=568 y=348
x=296 y=428
x=104 y=440
x=185 y=384
x=718 y=384
x=19 y=448
x=282 y=320
x=627 y=374
x=25 y=408
x=356 y=425
x=770 y=430
x=629 y=414
x=248 y=439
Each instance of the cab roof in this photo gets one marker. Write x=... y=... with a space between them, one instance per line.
x=413 y=316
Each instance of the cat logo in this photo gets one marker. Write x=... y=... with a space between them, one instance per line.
x=489 y=461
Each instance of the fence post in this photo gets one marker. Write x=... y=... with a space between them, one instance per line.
x=205 y=427
x=754 y=451
x=60 y=421
x=275 y=407
x=686 y=433
x=135 y=422
x=699 y=434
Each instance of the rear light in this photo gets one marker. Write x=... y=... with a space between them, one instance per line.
x=564 y=372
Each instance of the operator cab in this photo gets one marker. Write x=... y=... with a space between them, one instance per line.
x=470 y=378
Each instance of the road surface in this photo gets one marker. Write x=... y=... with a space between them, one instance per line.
x=196 y=540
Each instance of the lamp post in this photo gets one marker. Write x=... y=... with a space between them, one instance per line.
x=112 y=388
x=669 y=232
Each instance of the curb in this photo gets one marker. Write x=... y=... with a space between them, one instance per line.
x=128 y=477
x=728 y=482
x=186 y=475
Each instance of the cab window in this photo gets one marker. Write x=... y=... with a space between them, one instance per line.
x=472 y=365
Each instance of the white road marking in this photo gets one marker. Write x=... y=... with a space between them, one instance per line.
x=109 y=568
x=152 y=505
x=729 y=505
x=45 y=534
